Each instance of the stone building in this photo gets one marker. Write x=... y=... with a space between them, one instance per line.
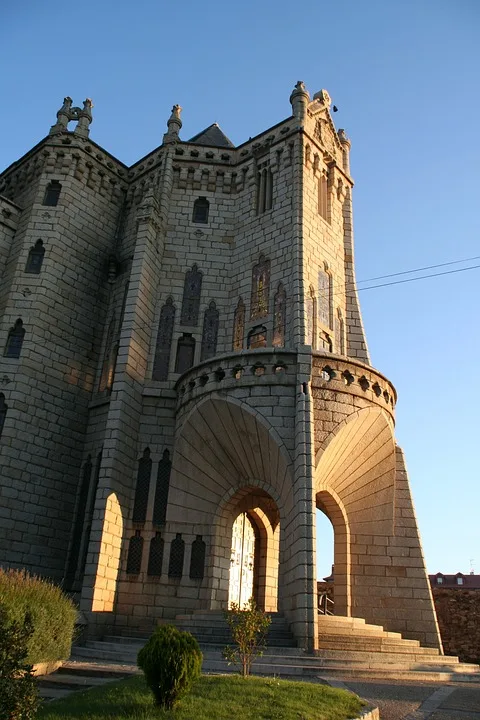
x=185 y=379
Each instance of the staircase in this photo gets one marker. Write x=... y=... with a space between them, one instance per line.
x=349 y=647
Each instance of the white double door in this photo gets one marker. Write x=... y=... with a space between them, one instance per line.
x=241 y=562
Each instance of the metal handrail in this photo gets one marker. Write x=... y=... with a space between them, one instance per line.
x=323 y=601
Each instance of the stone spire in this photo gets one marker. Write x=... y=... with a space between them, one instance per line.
x=174 y=124
x=346 y=145
x=84 y=117
x=299 y=100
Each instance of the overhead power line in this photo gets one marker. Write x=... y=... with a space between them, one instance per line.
x=420 y=269
x=422 y=277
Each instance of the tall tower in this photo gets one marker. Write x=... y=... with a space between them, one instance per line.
x=211 y=380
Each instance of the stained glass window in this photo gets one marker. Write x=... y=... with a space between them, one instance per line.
x=164 y=341
x=192 y=290
x=210 y=332
x=239 y=325
x=260 y=289
x=279 y=318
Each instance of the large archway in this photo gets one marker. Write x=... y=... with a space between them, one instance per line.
x=355 y=488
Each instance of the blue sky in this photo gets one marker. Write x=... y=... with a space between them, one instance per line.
x=404 y=75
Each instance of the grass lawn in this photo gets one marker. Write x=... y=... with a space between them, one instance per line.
x=214 y=697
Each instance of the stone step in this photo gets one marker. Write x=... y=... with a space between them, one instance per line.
x=352 y=640
x=376 y=647
x=366 y=631
x=112 y=670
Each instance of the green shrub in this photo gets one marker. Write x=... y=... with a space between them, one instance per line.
x=249 y=628
x=171 y=662
x=51 y=612
x=18 y=690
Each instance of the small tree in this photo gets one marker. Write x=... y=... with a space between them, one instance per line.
x=171 y=662
x=18 y=690
x=249 y=629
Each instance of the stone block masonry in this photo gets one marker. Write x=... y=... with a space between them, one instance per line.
x=182 y=344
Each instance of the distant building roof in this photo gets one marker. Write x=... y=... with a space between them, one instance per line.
x=459 y=580
x=213 y=136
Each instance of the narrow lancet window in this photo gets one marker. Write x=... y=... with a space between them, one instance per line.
x=260 y=289
x=177 y=553
x=280 y=309
x=192 y=290
x=239 y=325
x=323 y=197
x=161 y=491
x=52 y=193
x=143 y=487
x=155 y=556
x=210 y=332
x=185 y=353
x=324 y=302
x=3 y=412
x=15 y=338
x=135 y=552
x=197 y=560
x=264 y=189
x=201 y=208
x=164 y=341
x=35 y=258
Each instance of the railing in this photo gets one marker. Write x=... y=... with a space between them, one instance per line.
x=325 y=604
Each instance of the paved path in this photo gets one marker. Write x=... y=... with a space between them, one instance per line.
x=418 y=701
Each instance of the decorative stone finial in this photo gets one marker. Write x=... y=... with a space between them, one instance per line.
x=299 y=100
x=68 y=113
x=174 y=124
x=346 y=145
x=323 y=97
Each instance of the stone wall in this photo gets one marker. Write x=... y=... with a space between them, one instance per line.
x=458 y=614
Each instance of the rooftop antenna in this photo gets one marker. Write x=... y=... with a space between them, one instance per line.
x=472 y=569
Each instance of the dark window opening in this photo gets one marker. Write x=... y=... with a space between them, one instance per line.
x=35 y=258
x=52 y=193
x=135 y=552
x=191 y=297
x=3 y=412
x=185 y=353
x=177 y=552
x=201 y=208
x=164 y=341
x=155 y=556
x=197 y=560
x=264 y=190
x=257 y=337
x=79 y=523
x=210 y=332
x=143 y=487
x=15 y=338
x=161 y=491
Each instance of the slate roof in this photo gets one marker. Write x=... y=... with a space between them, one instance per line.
x=470 y=581
x=213 y=136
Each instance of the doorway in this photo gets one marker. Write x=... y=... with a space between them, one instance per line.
x=242 y=562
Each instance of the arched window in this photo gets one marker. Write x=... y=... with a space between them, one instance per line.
x=106 y=377
x=279 y=317
x=185 y=353
x=143 y=487
x=210 y=332
x=3 y=412
x=239 y=325
x=161 y=491
x=52 y=193
x=257 y=337
x=323 y=208
x=89 y=517
x=311 y=318
x=339 y=333
x=264 y=189
x=201 y=207
x=164 y=341
x=155 y=556
x=177 y=552
x=16 y=334
x=324 y=302
x=135 y=552
x=80 y=514
x=192 y=290
x=197 y=559
x=35 y=258
x=260 y=289
x=325 y=341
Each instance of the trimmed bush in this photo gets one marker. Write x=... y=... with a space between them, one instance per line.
x=171 y=662
x=18 y=690
x=52 y=614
